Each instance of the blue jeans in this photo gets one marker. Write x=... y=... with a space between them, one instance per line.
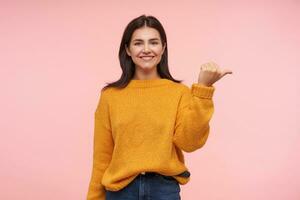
x=149 y=186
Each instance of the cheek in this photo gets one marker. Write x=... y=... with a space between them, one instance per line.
x=135 y=50
x=158 y=50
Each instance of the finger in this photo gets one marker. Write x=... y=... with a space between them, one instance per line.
x=214 y=68
x=228 y=71
x=224 y=72
x=219 y=72
x=210 y=67
x=214 y=65
x=204 y=67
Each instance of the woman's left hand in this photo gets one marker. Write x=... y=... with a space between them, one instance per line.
x=210 y=73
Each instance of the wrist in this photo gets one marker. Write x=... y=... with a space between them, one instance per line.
x=204 y=84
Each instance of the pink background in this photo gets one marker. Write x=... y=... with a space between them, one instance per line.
x=55 y=57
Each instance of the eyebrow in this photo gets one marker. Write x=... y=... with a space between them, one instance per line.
x=142 y=40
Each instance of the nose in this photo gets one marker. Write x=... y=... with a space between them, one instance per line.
x=146 y=49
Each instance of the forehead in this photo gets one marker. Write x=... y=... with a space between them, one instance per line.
x=145 y=33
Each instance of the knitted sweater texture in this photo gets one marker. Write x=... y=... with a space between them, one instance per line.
x=146 y=126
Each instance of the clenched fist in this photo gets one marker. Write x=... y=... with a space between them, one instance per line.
x=210 y=73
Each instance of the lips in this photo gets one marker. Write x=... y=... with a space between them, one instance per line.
x=146 y=57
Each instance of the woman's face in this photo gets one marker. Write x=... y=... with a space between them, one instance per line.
x=145 y=48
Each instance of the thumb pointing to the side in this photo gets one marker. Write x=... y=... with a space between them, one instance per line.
x=225 y=71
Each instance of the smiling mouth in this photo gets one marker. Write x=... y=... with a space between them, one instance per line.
x=146 y=58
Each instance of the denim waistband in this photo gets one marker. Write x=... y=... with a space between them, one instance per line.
x=183 y=174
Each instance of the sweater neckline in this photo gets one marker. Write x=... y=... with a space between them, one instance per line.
x=147 y=83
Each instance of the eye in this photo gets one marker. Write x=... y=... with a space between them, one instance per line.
x=137 y=43
x=154 y=42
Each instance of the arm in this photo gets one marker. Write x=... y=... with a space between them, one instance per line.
x=103 y=147
x=194 y=113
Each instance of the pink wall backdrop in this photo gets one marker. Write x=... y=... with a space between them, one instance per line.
x=55 y=57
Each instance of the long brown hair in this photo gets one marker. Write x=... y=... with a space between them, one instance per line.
x=126 y=63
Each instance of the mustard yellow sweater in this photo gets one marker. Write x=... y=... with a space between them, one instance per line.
x=145 y=127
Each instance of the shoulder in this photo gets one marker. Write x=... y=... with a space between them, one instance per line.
x=181 y=87
x=106 y=93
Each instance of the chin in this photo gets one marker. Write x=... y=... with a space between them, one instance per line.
x=146 y=67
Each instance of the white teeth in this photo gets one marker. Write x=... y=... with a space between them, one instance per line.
x=147 y=57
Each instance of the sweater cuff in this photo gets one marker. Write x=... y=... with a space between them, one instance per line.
x=203 y=91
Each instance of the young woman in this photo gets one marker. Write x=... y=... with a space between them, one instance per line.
x=146 y=119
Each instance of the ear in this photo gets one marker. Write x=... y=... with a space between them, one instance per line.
x=127 y=50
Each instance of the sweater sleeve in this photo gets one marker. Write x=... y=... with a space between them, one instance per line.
x=193 y=115
x=102 y=150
